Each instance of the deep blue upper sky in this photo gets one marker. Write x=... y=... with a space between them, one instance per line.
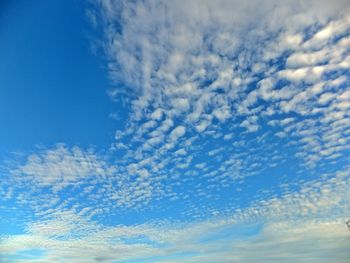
x=53 y=88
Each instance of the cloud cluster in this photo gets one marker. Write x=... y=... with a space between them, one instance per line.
x=61 y=167
x=229 y=67
x=67 y=234
x=240 y=114
x=217 y=91
x=202 y=76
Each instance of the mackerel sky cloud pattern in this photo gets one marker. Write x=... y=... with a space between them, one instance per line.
x=233 y=143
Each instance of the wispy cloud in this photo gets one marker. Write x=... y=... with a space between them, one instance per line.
x=279 y=228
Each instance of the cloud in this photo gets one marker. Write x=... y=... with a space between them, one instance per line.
x=198 y=67
x=60 y=167
x=207 y=243
x=222 y=94
x=178 y=132
x=287 y=225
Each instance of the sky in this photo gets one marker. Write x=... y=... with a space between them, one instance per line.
x=174 y=131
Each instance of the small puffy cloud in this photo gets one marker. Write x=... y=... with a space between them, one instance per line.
x=326 y=97
x=222 y=114
x=345 y=95
x=157 y=114
x=250 y=124
x=181 y=152
x=201 y=126
x=328 y=32
x=304 y=74
x=292 y=41
x=302 y=59
x=180 y=104
x=177 y=133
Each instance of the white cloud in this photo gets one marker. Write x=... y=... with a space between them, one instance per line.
x=177 y=133
x=330 y=31
x=251 y=124
x=194 y=68
x=287 y=225
x=326 y=97
x=157 y=114
x=181 y=104
x=301 y=59
x=60 y=167
x=197 y=72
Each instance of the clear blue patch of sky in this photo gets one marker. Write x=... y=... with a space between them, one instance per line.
x=52 y=87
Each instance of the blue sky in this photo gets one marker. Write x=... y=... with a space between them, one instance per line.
x=50 y=79
x=174 y=131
